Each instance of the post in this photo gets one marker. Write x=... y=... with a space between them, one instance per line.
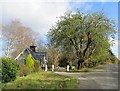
x=45 y=67
x=52 y=67
x=67 y=67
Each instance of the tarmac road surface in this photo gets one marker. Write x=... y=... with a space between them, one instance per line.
x=106 y=78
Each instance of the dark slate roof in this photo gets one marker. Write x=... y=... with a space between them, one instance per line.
x=37 y=55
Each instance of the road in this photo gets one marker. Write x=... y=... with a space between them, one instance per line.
x=106 y=78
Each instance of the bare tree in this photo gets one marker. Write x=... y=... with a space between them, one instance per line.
x=16 y=37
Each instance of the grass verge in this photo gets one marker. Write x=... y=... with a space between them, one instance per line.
x=88 y=69
x=42 y=80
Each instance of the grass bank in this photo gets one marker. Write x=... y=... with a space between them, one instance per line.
x=88 y=69
x=42 y=80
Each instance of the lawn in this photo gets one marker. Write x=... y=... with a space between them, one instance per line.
x=42 y=80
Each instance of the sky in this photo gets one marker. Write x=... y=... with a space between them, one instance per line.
x=41 y=15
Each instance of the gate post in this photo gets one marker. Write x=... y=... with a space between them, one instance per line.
x=45 y=67
x=52 y=67
x=67 y=67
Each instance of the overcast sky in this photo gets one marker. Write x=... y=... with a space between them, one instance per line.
x=41 y=15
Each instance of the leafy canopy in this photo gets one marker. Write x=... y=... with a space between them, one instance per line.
x=86 y=35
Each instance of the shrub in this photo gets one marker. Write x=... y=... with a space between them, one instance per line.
x=36 y=65
x=24 y=71
x=30 y=62
x=114 y=59
x=63 y=61
x=10 y=69
x=85 y=69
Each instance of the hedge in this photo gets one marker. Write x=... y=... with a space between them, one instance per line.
x=10 y=69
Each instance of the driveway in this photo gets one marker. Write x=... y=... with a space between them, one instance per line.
x=106 y=78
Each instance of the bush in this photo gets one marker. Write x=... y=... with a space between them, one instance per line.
x=30 y=62
x=85 y=69
x=10 y=69
x=114 y=59
x=63 y=61
x=36 y=65
x=24 y=71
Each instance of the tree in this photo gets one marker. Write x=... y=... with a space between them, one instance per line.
x=41 y=46
x=53 y=56
x=16 y=37
x=30 y=62
x=86 y=35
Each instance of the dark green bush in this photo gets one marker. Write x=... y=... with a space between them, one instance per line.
x=10 y=69
x=36 y=65
x=63 y=61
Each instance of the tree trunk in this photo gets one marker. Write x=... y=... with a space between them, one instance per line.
x=80 y=62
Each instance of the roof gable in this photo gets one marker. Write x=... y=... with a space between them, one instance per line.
x=36 y=55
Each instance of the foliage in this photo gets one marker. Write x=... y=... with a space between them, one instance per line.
x=85 y=35
x=17 y=37
x=64 y=61
x=112 y=57
x=67 y=58
x=30 y=67
x=42 y=80
x=86 y=70
x=37 y=65
x=30 y=62
x=53 y=56
x=10 y=69
x=24 y=71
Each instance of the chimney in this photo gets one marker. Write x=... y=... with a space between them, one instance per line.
x=33 y=48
